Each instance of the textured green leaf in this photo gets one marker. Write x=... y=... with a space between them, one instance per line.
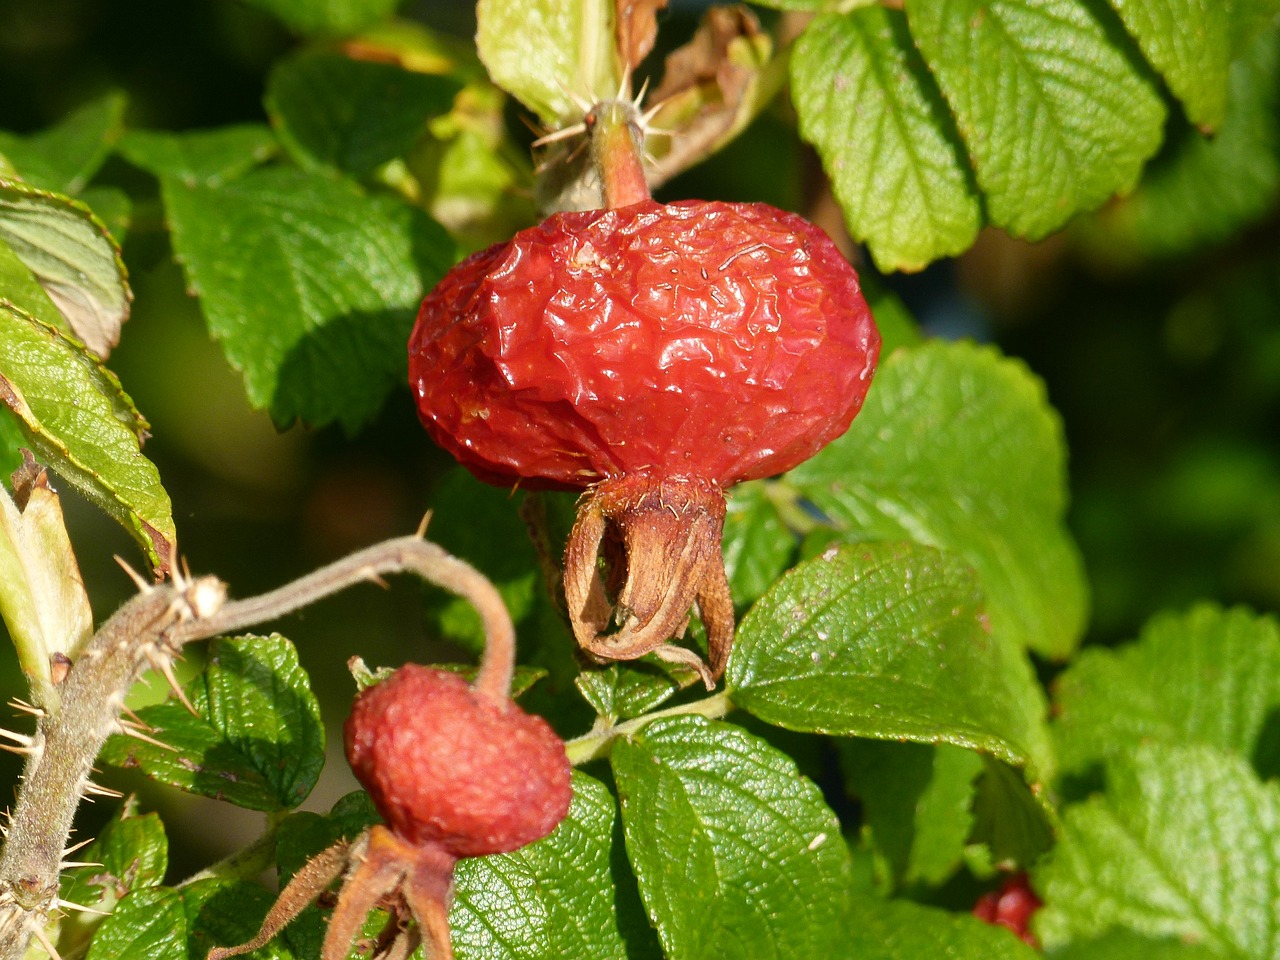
x=550 y=54
x=19 y=286
x=916 y=804
x=148 y=923
x=901 y=930
x=1206 y=676
x=76 y=419
x=1200 y=190
x=130 y=853
x=1015 y=824
x=76 y=262
x=553 y=898
x=1189 y=42
x=200 y=157
x=65 y=157
x=736 y=854
x=1185 y=843
x=1055 y=116
x=957 y=447
x=258 y=741
x=890 y=149
x=311 y=286
x=881 y=640
x=336 y=114
x=1124 y=945
x=327 y=17
x=757 y=545
x=623 y=690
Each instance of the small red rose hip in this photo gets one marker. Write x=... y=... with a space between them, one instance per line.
x=1011 y=907
x=449 y=767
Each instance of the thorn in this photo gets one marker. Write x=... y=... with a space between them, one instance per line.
x=136 y=721
x=75 y=864
x=138 y=580
x=562 y=134
x=24 y=739
x=139 y=735
x=576 y=99
x=68 y=905
x=23 y=707
x=20 y=751
x=45 y=942
x=644 y=88
x=164 y=666
x=624 y=85
x=421 y=533
x=78 y=846
x=98 y=790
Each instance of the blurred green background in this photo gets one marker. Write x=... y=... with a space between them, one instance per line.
x=1163 y=359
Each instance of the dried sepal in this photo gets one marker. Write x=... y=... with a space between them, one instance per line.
x=660 y=542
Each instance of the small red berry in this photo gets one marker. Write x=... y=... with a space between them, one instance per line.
x=1012 y=907
x=449 y=767
x=653 y=354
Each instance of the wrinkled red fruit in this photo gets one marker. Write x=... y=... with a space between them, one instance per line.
x=655 y=354
x=1012 y=907
x=694 y=339
x=446 y=766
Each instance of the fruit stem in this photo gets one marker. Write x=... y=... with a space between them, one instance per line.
x=402 y=555
x=614 y=130
x=596 y=744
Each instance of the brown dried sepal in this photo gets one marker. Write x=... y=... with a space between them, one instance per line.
x=660 y=540
x=637 y=29
x=381 y=870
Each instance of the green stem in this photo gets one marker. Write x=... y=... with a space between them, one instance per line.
x=247 y=862
x=597 y=743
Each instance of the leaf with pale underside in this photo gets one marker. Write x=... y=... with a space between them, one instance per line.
x=865 y=100
x=76 y=419
x=74 y=259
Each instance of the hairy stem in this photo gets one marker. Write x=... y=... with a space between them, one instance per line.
x=148 y=631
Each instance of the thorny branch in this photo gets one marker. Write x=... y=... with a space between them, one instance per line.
x=149 y=631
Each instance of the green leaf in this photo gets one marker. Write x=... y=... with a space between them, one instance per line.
x=327 y=17
x=148 y=923
x=901 y=930
x=865 y=100
x=200 y=157
x=550 y=54
x=1124 y=945
x=898 y=328
x=311 y=285
x=1055 y=116
x=258 y=741
x=553 y=898
x=957 y=447
x=74 y=259
x=75 y=417
x=757 y=545
x=1207 y=676
x=736 y=854
x=130 y=853
x=1015 y=824
x=1200 y=191
x=337 y=114
x=621 y=691
x=916 y=804
x=65 y=157
x=1185 y=843
x=881 y=640
x=1189 y=42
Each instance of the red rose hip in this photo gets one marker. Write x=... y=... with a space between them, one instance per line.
x=448 y=766
x=653 y=355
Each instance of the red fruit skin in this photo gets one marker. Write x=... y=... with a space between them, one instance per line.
x=695 y=339
x=448 y=767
